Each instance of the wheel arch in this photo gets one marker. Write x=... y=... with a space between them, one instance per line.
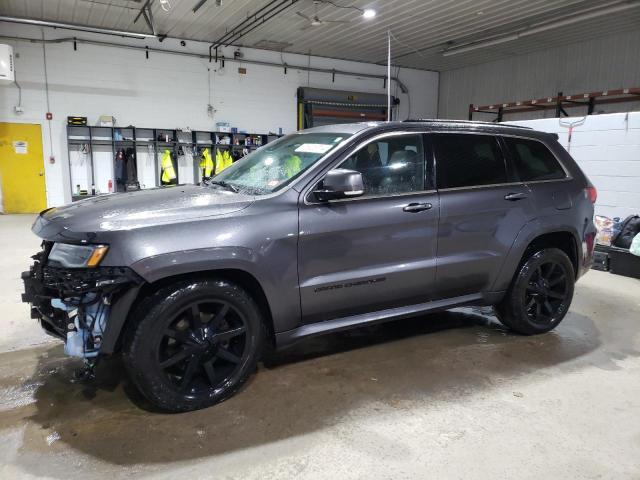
x=117 y=325
x=563 y=240
x=538 y=235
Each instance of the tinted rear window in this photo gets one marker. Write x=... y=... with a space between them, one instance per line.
x=468 y=160
x=532 y=160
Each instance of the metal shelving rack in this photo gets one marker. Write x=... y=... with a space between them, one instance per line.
x=559 y=103
x=134 y=137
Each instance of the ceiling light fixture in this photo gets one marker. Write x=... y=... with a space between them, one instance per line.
x=538 y=28
x=369 y=13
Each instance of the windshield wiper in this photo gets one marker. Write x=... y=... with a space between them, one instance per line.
x=223 y=184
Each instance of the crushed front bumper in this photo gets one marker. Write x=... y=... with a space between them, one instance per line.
x=79 y=305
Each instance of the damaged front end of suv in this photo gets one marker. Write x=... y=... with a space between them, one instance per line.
x=75 y=299
x=103 y=256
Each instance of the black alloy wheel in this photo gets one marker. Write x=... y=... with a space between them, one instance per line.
x=540 y=293
x=203 y=346
x=546 y=292
x=194 y=344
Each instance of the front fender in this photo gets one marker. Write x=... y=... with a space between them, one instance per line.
x=158 y=267
x=274 y=268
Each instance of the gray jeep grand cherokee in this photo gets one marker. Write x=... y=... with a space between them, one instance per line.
x=322 y=230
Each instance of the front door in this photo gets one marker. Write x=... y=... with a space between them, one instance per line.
x=22 y=168
x=376 y=251
x=482 y=209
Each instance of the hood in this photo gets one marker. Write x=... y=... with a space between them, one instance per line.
x=144 y=208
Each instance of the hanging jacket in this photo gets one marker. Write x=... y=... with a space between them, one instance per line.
x=206 y=164
x=121 y=171
x=168 y=170
x=131 y=168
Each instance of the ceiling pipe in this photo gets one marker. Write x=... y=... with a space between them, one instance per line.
x=244 y=61
x=199 y=5
x=539 y=28
x=253 y=21
x=266 y=16
x=79 y=28
x=250 y=18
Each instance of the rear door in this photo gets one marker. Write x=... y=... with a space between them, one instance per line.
x=535 y=165
x=482 y=209
x=376 y=251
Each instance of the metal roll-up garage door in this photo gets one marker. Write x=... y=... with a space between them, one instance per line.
x=318 y=106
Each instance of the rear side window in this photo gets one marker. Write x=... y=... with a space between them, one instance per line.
x=468 y=160
x=532 y=160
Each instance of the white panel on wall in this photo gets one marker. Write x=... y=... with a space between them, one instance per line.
x=80 y=161
x=603 y=63
x=607 y=148
x=145 y=157
x=103 y=167
x=172 y=91
x=186 y=170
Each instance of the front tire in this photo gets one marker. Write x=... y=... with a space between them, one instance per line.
x=540 y=294
x=195 y=344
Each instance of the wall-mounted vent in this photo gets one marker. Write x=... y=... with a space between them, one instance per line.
x=7 y=72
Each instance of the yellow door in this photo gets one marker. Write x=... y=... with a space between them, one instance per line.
x=22 y=168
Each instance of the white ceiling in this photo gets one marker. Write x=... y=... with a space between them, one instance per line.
x=426 y=25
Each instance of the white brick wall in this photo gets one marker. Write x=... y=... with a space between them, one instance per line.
x=607 y=148
x=170 y=91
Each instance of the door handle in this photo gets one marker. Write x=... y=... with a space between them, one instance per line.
x=417 y=207
x=513 y=197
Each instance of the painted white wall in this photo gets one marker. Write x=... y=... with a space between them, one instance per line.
x=607 y=148
x=171 y=91
x=603 y=63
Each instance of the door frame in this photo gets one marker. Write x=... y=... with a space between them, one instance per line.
x=306 y=200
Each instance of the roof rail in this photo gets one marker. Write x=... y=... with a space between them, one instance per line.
x=463 y=122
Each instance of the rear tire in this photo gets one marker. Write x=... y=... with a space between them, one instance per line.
x=195 y=344
x=540 y=294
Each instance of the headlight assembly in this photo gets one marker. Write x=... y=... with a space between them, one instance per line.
x=67 y=255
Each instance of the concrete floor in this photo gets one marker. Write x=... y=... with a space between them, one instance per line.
x=17 y=244
x=450 y=395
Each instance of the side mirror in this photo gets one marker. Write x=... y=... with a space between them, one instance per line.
x=339 y=183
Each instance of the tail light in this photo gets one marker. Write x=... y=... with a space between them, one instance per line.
x=591 y=193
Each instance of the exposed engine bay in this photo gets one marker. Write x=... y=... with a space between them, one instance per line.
x=75 y=304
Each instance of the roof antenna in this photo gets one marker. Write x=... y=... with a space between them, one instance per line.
x=389 y=76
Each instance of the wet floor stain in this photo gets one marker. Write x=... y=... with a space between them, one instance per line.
x=309 y=387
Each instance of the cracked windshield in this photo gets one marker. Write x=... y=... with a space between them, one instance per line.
x=273 y=166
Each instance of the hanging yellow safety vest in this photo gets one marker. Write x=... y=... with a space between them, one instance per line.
x=168 y=172
x=292 y=166
x=223 y=160
x=227 y=160
x=218 y=160
x=206 y=164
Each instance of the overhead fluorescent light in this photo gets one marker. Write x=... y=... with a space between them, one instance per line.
x=79 y=28
x=539 y=28
x=272 y=45
x=482 y=44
